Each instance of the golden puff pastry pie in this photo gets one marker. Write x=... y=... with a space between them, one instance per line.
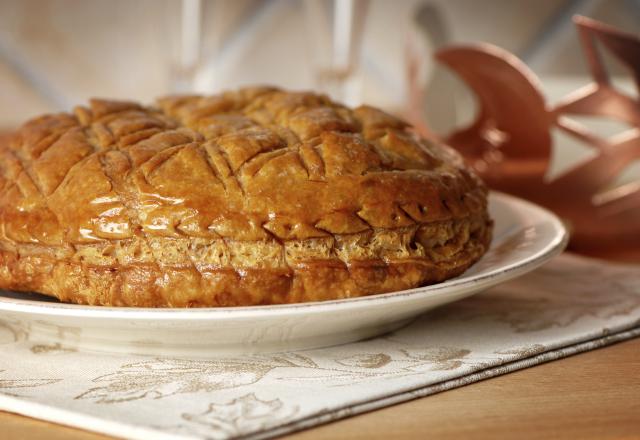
x=256 y=196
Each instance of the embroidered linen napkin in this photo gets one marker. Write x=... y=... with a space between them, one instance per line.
x=570 y=305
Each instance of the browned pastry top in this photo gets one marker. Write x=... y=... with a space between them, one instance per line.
x=256 y=178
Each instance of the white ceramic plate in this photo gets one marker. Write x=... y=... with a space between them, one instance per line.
x=525 y=236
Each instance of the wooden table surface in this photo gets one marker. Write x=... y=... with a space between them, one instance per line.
x=594 y=395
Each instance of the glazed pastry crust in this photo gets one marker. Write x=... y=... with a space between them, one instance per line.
x=257 y=196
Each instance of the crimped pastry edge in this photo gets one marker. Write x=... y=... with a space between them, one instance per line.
x=146 y=285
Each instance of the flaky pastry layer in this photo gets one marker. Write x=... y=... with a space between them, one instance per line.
x=258 y=196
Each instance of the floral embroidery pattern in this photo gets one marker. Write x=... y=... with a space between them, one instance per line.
x=8 y=385
x=242 y=415
x=160 y=378
x=8 y=335
x=526 y=307
x=56 y=348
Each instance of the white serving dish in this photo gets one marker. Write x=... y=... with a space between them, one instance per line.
x=525 y=237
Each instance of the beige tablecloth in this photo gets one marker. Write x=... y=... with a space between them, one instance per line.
x=570 y=305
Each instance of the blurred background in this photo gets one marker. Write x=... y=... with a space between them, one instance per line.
x=57 y=53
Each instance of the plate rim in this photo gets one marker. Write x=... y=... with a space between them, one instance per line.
x=493 y=276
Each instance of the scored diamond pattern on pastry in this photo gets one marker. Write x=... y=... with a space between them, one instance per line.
x=248 y=197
